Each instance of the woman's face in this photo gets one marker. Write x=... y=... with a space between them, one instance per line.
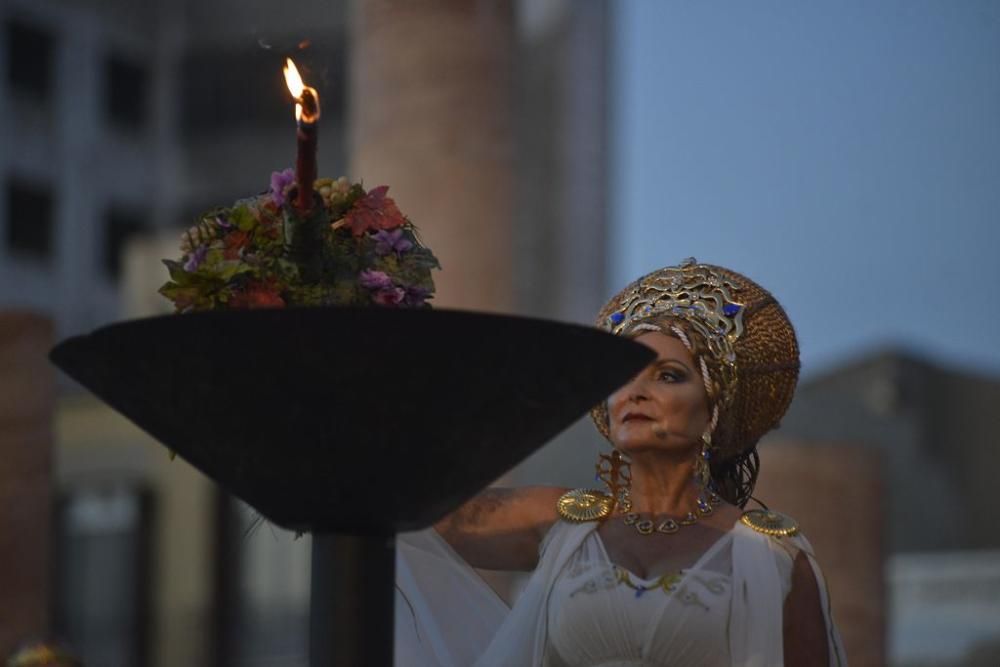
x=663 y=407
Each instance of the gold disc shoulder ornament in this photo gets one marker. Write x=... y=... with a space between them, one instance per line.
x=770 y=522
x=581 y=505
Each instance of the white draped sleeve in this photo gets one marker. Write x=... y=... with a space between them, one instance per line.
x=761 y=579
x=447 y=616
x=521 y=640
x=755 y=638
x=445 y=613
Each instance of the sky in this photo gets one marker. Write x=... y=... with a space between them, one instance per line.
x=845 y=155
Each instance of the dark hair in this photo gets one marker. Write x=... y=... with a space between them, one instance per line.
x=735 y=479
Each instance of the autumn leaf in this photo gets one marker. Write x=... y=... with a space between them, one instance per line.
x=374 y=211
x=257 y=295
x=235 y=241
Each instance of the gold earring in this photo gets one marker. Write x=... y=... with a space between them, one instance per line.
x=702 y=472
x=613 y=469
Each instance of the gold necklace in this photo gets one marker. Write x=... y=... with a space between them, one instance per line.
x=670 y=526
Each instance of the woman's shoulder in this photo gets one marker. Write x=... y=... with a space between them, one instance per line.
x=784 y=531
x=581 y=505
x=770 y=522
x=572 y=507
x=786 y=546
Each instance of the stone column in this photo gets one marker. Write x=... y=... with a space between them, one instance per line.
x=430 y=116
x=27 y=399
x=835 y=492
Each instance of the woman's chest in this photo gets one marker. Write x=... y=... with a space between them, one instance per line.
x=654 y=554
x=600 y=614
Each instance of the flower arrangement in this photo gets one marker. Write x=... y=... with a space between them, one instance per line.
x=355 y=249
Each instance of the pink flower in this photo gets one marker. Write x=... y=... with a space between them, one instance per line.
x=387 y=241
x=375 y=280
x=196 y=258
x=280 y=182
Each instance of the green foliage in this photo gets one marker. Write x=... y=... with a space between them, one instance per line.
x=257 y=254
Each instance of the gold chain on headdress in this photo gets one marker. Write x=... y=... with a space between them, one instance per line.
x=699 y=296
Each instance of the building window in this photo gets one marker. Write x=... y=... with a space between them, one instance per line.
x=227 y=90
x=102 y=574
x=126 y=92
x=233 y=90
x=120 y=225
x=29 y=58
x=30 y=212
x=263 y=599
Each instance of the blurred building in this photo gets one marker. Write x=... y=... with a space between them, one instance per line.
x=120 y=117
x=934 y=430
x=119 y=122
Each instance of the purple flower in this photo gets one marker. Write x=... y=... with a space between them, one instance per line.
x=281 y=181
x=416 y=296
x=223 y=223
x=375 y=280
x=196 y=258
x=387 y=241
x=391 y=296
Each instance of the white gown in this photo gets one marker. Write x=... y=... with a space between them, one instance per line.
x=580 y=610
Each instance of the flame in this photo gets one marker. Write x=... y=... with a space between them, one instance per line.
x=297 y=88
x=292 y=79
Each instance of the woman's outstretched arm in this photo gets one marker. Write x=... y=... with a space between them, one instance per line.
x=501 y=528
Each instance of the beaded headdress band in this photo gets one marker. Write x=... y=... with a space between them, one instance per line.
x=745 y=334
x=696 y=294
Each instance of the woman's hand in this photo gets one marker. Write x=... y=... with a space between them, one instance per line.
x=502 y=528
x=805 y=634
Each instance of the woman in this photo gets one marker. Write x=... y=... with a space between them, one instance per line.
x=664 y=567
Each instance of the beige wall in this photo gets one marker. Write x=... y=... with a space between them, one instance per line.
x=97 y=446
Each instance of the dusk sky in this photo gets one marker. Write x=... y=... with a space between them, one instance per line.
x=845 y=155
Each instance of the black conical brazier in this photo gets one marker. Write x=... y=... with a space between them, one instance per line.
x=351 y=422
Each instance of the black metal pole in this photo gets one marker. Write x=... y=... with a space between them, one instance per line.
x=351 y=608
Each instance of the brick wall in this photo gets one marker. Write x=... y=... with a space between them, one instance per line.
x=26 y=406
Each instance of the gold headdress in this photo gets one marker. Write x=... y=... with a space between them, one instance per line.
x=753 y=356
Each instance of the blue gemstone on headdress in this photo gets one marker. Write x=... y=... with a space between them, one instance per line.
x=730 y=309
x=617 y=318
x=706 y=454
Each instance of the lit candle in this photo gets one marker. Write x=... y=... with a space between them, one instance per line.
x=307 y=120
